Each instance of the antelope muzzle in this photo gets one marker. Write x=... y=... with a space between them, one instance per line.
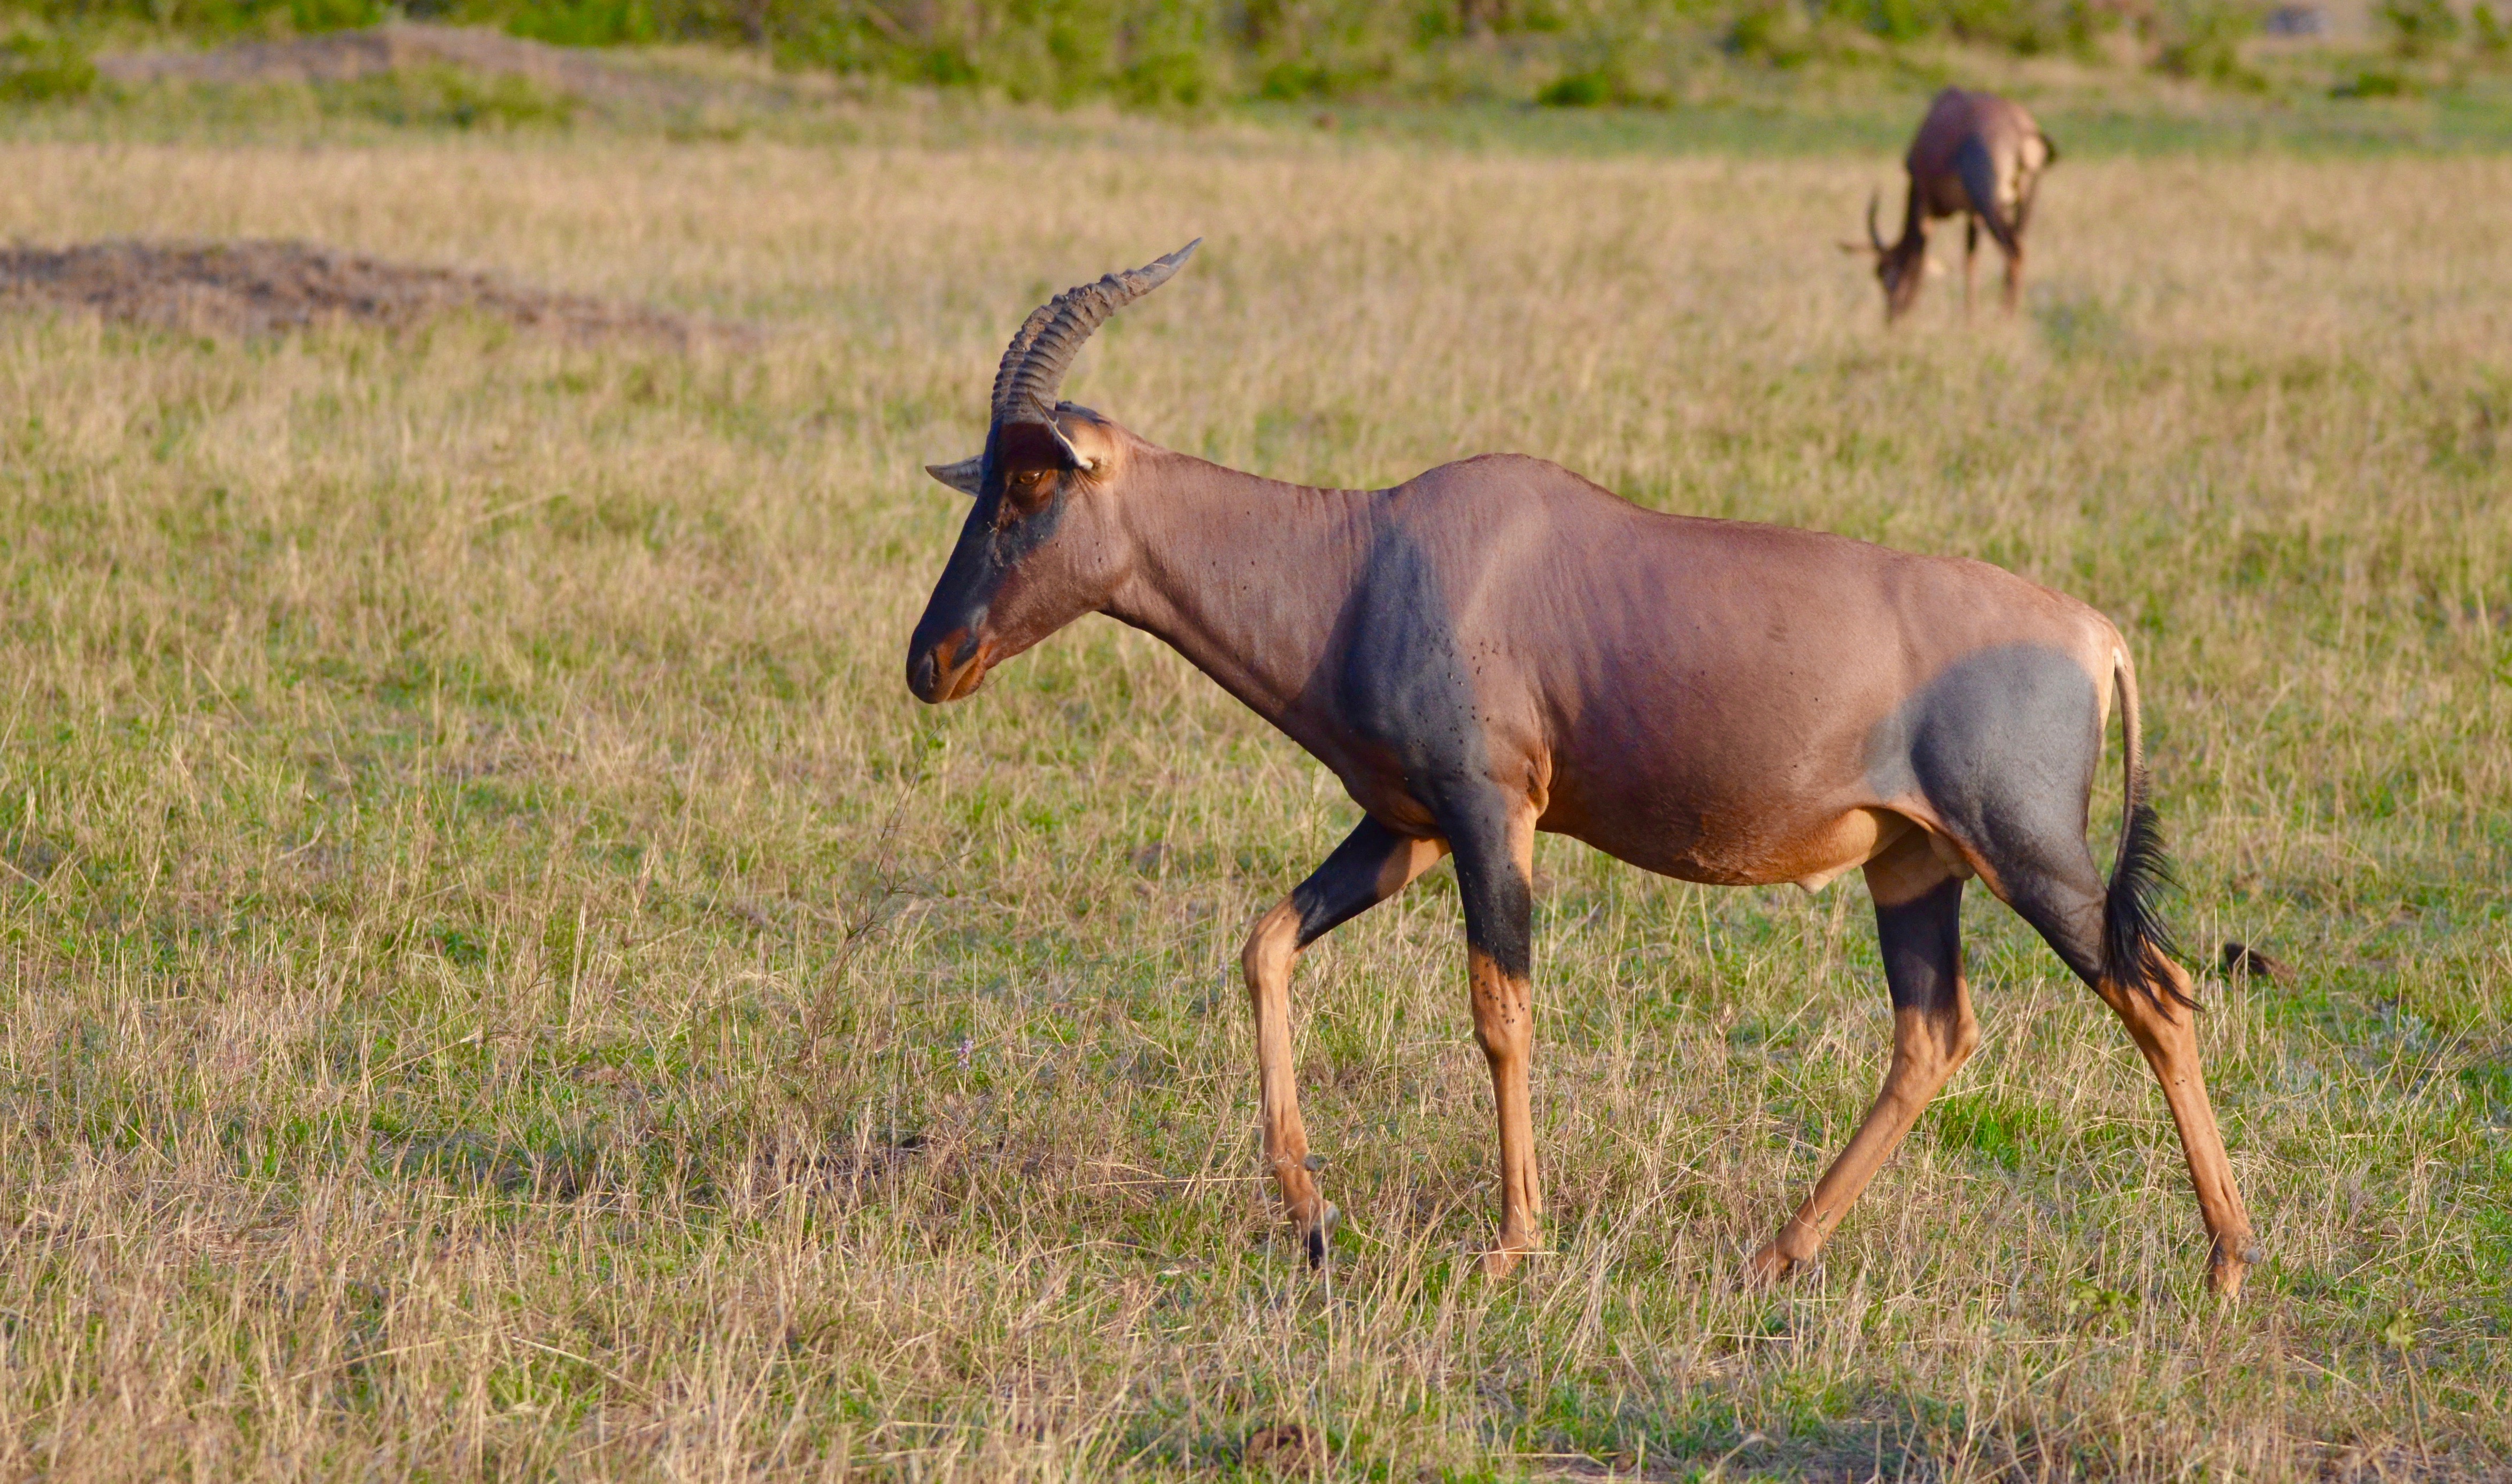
x=948 y=667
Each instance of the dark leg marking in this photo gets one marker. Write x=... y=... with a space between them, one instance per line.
x=1922 y=943
x=1499 y=898
x=1348 y=883
x=1971 y=258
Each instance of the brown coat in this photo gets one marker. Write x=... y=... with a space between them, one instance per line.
x=1497 y=646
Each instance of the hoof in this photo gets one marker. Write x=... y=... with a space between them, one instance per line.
x=1767 y=1268
x=2227 y=1267
x=1315 y=1237
x=1501 y=1261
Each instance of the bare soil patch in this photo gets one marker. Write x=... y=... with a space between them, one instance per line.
x=263 y=287
x=342 y=56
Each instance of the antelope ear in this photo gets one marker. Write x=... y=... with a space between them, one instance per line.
x=1063 y=444
x=965 y=476
x=1080 y=438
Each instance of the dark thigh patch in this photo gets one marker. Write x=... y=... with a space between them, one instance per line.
x=2002 y=744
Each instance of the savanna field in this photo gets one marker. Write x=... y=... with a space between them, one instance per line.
x=501 y=981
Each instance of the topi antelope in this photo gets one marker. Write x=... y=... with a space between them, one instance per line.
x=1498 y=646
x=1977 y=156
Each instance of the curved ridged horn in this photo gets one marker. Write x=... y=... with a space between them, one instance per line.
x=1033 y=367
x=1015 y=354
x=1872 y=235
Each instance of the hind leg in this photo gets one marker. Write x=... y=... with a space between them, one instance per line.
x=2165 y=1028
x=2004 y=748
x=2052 y=885
x=1918 y=912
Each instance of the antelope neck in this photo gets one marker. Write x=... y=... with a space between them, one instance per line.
x=1245 y=576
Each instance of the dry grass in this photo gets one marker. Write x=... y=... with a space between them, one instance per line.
x=502 y=982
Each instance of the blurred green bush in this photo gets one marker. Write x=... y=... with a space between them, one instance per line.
x=37 y=66
x=1163 y=52
x=2420 y=28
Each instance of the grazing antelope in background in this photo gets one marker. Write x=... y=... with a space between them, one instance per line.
x=1977 y=156
x=1498 y=646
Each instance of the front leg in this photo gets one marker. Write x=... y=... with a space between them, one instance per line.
x=1371 y=865
x=1971 y=261
x=1495 y=844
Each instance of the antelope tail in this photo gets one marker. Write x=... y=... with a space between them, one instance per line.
x=1979 y=175
x=2137 y=943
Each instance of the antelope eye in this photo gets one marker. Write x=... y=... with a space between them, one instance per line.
x=1023 y=491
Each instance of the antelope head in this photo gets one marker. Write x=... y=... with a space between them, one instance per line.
x=1042 y=544
x=1901 y=268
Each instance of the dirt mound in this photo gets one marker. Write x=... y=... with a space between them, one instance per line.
x=342 y=56
x=259 y=288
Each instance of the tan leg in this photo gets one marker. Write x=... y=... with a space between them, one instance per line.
x=1266 y=960
x=2168 y=1034
x=1504 y=1026
x=1927 y=1047
x=2015 y=278
x=1369 y=867
x=1918 y=905
x=1498 y=897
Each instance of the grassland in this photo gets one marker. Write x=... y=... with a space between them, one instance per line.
x=501 y=982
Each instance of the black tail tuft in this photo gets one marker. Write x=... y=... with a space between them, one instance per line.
x=2137 y=943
